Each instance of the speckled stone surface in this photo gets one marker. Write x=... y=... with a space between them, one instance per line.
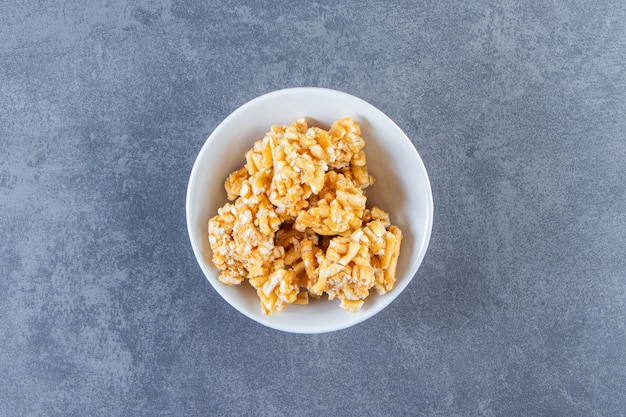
x=517 y=108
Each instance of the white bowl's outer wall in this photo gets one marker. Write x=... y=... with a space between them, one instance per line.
x=402 y=188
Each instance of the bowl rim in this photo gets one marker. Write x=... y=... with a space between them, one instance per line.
x=423 y=242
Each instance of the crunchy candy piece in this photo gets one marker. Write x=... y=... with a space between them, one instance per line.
x=352 y=266
x=276 y=290
x=298 y=154
x=347 y=143
x=242 y=236
x=223 y=246
x=345 y=272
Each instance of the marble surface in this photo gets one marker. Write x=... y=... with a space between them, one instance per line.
x=517 y=108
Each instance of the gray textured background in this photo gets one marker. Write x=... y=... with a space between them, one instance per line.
x=518 y=110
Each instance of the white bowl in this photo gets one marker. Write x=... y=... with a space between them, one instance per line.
x=402 y=189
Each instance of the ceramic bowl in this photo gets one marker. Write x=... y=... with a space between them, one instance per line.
x=402 y=188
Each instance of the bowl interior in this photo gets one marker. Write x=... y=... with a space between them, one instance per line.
x=402 y=188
